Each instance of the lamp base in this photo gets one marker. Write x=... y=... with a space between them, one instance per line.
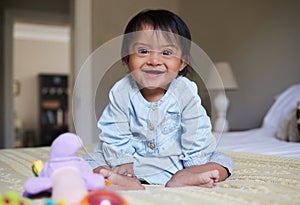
x=221 y=103
x=221 y=125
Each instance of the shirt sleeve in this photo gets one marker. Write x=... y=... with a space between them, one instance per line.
x=197 y=141
x=114 y=131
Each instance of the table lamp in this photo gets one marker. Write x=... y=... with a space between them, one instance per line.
x=225 y=75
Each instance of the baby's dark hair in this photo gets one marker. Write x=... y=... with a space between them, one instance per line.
x=159 y=20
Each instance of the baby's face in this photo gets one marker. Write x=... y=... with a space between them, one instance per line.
x=155 y=58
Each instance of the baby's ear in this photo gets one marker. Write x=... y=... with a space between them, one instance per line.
x=182 y=65
x=125 y=60
x=185 y=61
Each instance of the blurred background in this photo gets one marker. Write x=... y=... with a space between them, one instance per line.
x=45 y=42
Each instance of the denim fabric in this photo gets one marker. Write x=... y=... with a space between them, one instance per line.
x=160 y=137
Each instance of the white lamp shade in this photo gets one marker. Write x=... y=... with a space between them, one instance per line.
x=225 y=73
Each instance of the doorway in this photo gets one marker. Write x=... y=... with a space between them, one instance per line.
x=14 y=87
x=37 y=49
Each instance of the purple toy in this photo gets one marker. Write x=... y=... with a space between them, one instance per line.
x=63 y=153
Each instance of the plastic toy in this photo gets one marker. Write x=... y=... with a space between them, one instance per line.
x=68 y=186
x=12 y=198
x=36 y=167
x=63 y=153
x=103 y=196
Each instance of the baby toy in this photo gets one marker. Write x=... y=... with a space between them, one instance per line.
x=36 y=167
x=103 y=197
x=12 y=198
x=63 y=153
x=67 y=186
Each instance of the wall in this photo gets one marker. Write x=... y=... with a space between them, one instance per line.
x=2 y=118
x=47 y=57
x=260 y=38
x=109 y=18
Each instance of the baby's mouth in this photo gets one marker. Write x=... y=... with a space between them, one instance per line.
x=154 y=72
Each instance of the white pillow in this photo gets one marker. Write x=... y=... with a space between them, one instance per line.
x=283 y=105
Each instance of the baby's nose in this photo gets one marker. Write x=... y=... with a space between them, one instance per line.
x=155 y=58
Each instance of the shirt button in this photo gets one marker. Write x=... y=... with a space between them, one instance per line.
x=154 y=107
x=151 y=127
x=152 y=145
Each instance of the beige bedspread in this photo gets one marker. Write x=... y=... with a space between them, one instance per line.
x=258 y=179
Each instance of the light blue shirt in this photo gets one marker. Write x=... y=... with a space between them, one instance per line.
x=160 y=137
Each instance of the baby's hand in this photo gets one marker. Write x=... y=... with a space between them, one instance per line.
x=124 y=169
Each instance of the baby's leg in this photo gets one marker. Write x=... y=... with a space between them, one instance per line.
x=187 y=178
x=122 y=182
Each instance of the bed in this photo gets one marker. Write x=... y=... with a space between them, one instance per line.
x=259 y=141
x=279 y=134
x=266 y=169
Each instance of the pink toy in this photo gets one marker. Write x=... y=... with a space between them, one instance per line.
x=63 y=153
x=67 y=186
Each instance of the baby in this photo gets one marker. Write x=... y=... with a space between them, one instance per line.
x=154 y=129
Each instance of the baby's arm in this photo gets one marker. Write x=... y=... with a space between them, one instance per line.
x=115 y=132
x=123 y=169
x=197 y=141
x=98 y=169
x=120 y=181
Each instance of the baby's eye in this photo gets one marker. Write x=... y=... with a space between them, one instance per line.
x=143 y=51
x=167 y=52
